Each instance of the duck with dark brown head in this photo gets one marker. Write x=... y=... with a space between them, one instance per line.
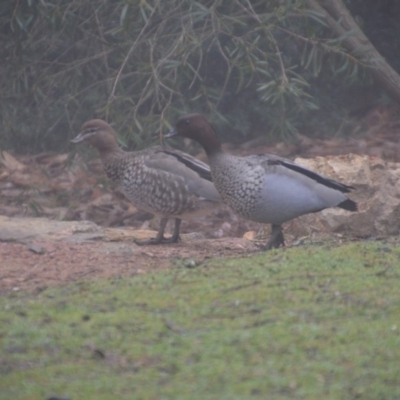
x=263 y=188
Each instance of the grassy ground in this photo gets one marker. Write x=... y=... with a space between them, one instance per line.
x=303 y=323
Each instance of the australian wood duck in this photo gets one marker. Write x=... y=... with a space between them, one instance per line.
x=264 y=188
x=167 y=183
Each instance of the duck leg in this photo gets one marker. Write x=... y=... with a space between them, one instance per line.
x=159 y=239
x=276 y=238
x=175 y=236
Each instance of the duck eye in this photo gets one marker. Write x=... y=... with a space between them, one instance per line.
x=187 y=121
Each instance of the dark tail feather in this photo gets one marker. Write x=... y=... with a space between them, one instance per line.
x=349 y=205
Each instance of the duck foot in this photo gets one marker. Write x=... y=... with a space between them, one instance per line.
x=276 y=240
x=160 y=239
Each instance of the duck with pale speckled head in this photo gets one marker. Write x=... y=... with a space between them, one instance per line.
x=167 y=183
x=264 y=188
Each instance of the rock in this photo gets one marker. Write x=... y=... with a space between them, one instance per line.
x=36 y=248
x=25 y=230
x=376 y=190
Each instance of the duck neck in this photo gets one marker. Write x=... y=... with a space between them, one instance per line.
x=110 y=151
x=212 y=146
x=114 y=163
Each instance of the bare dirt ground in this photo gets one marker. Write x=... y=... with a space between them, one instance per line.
x=38 y=252
x=47 y=200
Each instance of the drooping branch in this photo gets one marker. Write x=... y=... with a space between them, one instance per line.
x=339 y=19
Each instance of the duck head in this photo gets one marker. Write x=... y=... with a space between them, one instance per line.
x=197 y=127
x=99 y=134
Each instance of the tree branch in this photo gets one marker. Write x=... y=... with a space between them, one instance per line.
x=339 y=19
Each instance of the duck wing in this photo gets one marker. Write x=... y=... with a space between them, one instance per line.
x=282 y=165
x=179 y=166
x=201 y=168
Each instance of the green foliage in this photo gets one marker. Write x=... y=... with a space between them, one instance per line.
x=302 y=323
x=141 y=64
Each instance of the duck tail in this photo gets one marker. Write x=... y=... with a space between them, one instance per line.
x=349 y=205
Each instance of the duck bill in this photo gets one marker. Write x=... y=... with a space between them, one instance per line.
x=78 y=139
x=81 y=137
x=171 y=133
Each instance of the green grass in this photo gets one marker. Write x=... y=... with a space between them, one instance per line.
x=303 y=323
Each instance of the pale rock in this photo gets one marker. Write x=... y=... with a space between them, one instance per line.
x=376 y=190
